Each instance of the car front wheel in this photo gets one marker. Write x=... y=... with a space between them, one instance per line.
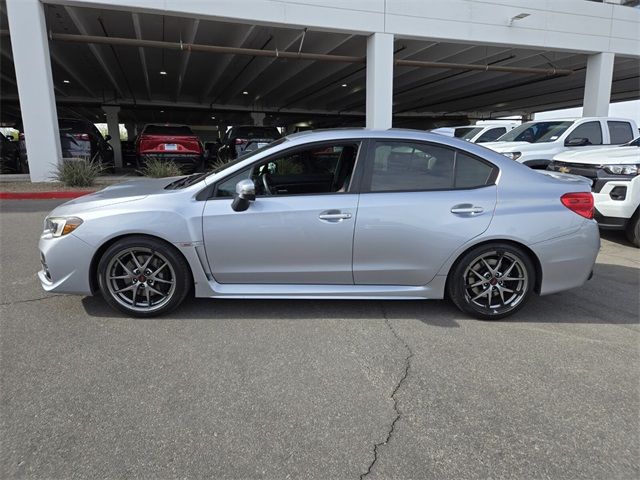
x=143 y=277
x=633 y=229
x=492 y=281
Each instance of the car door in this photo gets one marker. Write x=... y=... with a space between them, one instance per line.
x=419 y=203
x=299 y=230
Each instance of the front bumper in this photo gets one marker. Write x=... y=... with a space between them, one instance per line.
x=567 y=262
x=66 y=264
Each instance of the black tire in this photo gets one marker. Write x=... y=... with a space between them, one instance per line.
x=471 y=283
x=126 y=288
x=633 y=229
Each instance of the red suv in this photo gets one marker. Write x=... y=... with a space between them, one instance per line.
x=176 y=143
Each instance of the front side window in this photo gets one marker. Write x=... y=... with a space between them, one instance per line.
x=408 y=166
x=620 y=132
x=590 y=130
x=326 y=168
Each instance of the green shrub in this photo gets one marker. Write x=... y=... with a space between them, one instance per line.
x=77 y=172
x=157 y=168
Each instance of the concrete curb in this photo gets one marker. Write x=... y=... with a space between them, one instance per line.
x=42 y=195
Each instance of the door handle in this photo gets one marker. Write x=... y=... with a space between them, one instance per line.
x=334 y=216
x=466 y=208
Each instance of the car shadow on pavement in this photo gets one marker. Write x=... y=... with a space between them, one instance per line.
x=616 y=236
x=600 y=300
x=433 y=312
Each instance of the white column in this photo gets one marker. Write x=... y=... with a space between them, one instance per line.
x=597 y=87
x=258 y=118
x=114 y=130
x=379 y=80
x=32 y=63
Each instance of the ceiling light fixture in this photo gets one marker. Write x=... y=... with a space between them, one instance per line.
x=162 y=72
x=245 y=93
x=65 y=81
x=520 y=16
x=344 y=84
x=213 y=118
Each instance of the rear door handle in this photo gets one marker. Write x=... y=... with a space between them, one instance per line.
x=334 y=216
x=466 y=208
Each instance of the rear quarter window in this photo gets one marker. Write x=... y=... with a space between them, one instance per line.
x=620 y=132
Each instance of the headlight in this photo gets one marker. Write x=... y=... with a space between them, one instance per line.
x=512 y=155
x=59 y=226
x=622 y=169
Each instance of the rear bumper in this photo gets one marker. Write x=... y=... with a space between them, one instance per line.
x=567 y=262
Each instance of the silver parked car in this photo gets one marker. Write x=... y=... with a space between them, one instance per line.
x=394 y=214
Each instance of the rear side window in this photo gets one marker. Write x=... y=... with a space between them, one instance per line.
x=167 y=130
x=407 y=166
x=492 y=134
x=590 y=130
x=620 y=132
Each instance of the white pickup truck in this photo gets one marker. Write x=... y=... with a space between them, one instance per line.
x=615 y=177
x=536 y=143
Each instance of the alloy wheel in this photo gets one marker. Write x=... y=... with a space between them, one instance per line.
x=496 y=281
x=140 y=279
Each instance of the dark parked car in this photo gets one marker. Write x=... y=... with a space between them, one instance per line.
x=128 y=149
x=176 y=143
x=78 y=139
x=9 y=155
x=244 y=139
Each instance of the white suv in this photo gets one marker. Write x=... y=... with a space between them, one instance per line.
x=536 y=143
x=615 y=177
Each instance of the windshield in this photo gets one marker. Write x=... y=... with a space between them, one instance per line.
x=172 y=130
x=470 y=133
x=196 y=177
x=536 y=132
x=460 y=132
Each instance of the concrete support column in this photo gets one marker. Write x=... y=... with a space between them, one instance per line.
x=379 y=80
x=114 y=130
x=258 y=118
x=597 y=88
x=131 y=131
x=32 y=63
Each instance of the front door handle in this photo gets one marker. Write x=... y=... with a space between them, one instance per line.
x=334 y=216
x=466 y=208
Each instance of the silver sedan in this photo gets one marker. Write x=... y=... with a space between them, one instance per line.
x=394 y=214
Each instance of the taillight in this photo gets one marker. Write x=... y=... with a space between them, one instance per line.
x=579 y=202
x=240 y=141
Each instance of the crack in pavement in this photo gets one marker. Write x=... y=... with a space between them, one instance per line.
x=29 y=300
x=407 y=366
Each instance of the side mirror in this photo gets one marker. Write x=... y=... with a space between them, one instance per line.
x=10 y=138
x=245 y=193
x=577 y=142
x=107 y=137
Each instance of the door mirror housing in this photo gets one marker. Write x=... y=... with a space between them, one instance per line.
x=245 y=193
x=107 y=137
x=577 y=142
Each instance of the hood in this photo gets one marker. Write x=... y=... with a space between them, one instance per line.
x=602 y=156
x=508 y=146
x=119 y=193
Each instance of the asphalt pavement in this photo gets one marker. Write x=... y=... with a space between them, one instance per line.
x=232 y=389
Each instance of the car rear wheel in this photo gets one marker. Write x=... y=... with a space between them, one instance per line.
x=143 y=277
x=633 y=229
x=492 y=281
